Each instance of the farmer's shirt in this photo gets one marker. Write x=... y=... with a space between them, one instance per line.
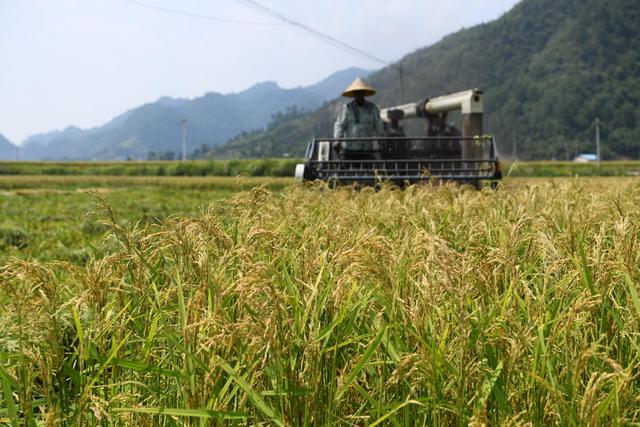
x=355 y=121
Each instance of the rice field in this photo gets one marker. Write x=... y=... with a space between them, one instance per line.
x=55 y=218
x=289 y=305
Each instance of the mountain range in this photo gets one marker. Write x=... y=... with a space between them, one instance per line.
x=154 y=130
x=7 y=149
x=549 y=69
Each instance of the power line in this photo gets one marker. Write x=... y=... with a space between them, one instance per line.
x=183 y=122
x=320 y=35
x=328 y=39
x=200 y=16
x=271 y=13
x=274 y=14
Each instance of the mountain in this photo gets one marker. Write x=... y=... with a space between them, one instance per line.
x=7 y=149
x=549 y=68
x=154 y=129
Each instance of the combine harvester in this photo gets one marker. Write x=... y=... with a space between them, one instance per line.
x=443 y=154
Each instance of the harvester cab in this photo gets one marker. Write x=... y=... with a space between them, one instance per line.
x=443 y=153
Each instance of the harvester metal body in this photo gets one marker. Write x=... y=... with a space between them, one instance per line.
x=444 y=153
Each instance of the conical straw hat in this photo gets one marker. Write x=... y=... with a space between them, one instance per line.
x=358 y=85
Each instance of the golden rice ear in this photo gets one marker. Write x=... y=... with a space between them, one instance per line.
x=433 y=305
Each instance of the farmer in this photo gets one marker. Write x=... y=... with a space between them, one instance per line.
x=358 y=118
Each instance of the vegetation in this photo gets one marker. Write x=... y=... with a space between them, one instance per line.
x=253 y=167
x=281 y=137
x=271 y=168
x=54 y=218
x=159 y=155
x=558 y=169
x=549 y=68
x=429 y=306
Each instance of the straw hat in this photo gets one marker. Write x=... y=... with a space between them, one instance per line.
x=358 y=85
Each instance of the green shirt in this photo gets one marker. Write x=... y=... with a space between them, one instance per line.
x=358 y=121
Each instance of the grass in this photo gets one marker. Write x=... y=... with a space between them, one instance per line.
x=53 y=218
x=309 y=306
x=571 y=169
x=63 y=182
x=283 y=168
x=249 y=167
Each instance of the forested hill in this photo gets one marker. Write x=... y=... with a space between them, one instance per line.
x=549 y=68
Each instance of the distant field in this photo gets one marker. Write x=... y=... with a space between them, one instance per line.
x=283 y=168
x=258 y=167
x=57 y=218
x=231 y=184
x=566 y=169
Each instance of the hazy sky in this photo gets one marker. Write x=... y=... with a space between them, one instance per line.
x=82 y=62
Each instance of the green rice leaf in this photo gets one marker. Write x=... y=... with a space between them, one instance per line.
x=394 y=410
x=364 y=359
x=183 y=412
x=254 y=396
x=634 y=293
x=7 y=393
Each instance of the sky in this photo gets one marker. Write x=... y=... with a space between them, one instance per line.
x=83 y=62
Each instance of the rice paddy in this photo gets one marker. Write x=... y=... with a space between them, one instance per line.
x=291 y=305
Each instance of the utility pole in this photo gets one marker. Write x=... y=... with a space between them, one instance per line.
x=401 y=71
x=183 y=122
x=598 y=139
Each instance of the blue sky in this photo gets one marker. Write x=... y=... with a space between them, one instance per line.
x=82 y=62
